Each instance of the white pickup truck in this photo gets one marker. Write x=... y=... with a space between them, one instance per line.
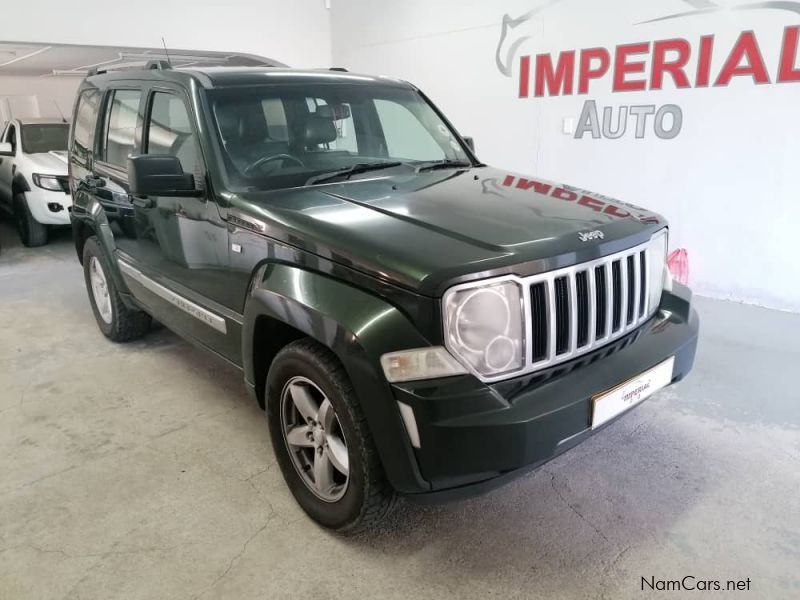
x=34 y=187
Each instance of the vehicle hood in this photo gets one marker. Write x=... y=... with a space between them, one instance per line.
x=48 y=163
x=428 y=231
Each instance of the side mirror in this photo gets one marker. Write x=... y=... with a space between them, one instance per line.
x=470 y=142
x=6 y=149
x=159 y=175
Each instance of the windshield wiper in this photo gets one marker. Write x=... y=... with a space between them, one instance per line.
x=447 y=163
x=352 y=170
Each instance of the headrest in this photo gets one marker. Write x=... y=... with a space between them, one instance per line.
x=325 y=110
x=241 y=122
x=318 y=130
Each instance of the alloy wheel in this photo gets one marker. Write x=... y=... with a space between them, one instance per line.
x=314 y=438
x=100 y=289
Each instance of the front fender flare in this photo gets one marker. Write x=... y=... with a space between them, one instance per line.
x=358 y=327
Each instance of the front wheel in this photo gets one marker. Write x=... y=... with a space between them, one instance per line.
x=321 y=440
x=31 y=232
x=117 y=321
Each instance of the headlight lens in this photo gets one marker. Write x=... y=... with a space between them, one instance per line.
x=47 y=182
x=657 y=268
x=484 y=327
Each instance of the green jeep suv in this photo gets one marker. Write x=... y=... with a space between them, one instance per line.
x=413 y=321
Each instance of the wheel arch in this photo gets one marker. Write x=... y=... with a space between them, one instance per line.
x=19 y=184
x=289 y=302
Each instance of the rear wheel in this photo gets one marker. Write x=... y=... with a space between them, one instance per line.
x=31 y=232
x=321 y=440
x=117 y=322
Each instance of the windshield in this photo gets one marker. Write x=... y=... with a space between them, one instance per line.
x=44 y=138
x=280 y=135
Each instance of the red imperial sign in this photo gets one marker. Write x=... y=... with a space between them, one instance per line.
x=668 y=59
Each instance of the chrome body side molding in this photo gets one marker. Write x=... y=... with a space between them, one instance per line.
x=198 y=312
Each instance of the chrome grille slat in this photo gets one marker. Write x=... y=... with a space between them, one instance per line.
x=609 y=300
x=551 y=318
x=623 y=292
x=572 y=288
x=590 y=274
x=636 y=277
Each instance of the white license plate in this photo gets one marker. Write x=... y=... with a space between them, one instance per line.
x=609 y=404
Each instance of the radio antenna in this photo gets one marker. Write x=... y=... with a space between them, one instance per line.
x=166 y=51
x=58 y=108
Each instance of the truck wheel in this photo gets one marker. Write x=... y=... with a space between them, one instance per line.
x=31 y=232
x=321 y=440
x=117 y=322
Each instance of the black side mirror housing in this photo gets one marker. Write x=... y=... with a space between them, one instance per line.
x=159 y=175
x=470 y=142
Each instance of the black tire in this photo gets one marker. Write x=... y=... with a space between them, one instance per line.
x=368 y=497
x=125 y=324
x=31 y=232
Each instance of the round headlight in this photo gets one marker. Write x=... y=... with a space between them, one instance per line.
x=482 y=315
x=484 y=327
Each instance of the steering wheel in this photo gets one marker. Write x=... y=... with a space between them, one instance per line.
x=268 y=159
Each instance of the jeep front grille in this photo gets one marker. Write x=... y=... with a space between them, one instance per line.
x=577 y=309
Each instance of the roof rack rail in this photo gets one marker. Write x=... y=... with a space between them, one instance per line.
x=157 y=65
x=94 y=71
x=342 y=69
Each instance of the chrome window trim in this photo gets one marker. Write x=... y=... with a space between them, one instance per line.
x=594 y=342
x=195 y=310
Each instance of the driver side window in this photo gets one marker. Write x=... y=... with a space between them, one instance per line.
x=11 y=138
x=170 y=131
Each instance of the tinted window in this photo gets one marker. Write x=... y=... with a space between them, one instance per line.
x=44 y=138
x=123 y=111
x=84 y=126
x=170 y=132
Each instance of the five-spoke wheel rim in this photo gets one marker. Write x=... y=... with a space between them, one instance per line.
x=100 y=289
x=314 y=438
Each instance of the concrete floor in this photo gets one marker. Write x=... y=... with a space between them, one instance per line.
x=144 y=471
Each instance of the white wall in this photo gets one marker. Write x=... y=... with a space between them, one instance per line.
x=295 y=32
x=50 y=94
x=728 y=182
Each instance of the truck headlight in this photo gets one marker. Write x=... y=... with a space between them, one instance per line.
x=484 y=326
x=47 y=182
x=657 y=268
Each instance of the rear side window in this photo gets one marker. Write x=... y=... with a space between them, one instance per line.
x=84 y=127
x=170 y=132
x=123 y=110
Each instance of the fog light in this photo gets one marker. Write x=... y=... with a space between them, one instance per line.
x=55 y=207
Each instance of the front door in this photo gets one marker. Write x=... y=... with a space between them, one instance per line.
x=175 y=250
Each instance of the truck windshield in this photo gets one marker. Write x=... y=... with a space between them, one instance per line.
x=287 y=135
x=44 y=138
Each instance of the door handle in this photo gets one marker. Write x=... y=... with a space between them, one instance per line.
x=142 y=202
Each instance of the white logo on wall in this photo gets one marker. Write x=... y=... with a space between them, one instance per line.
x=646 y=66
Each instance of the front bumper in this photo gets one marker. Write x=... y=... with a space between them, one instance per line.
x=49 y=207
x=475 y=436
